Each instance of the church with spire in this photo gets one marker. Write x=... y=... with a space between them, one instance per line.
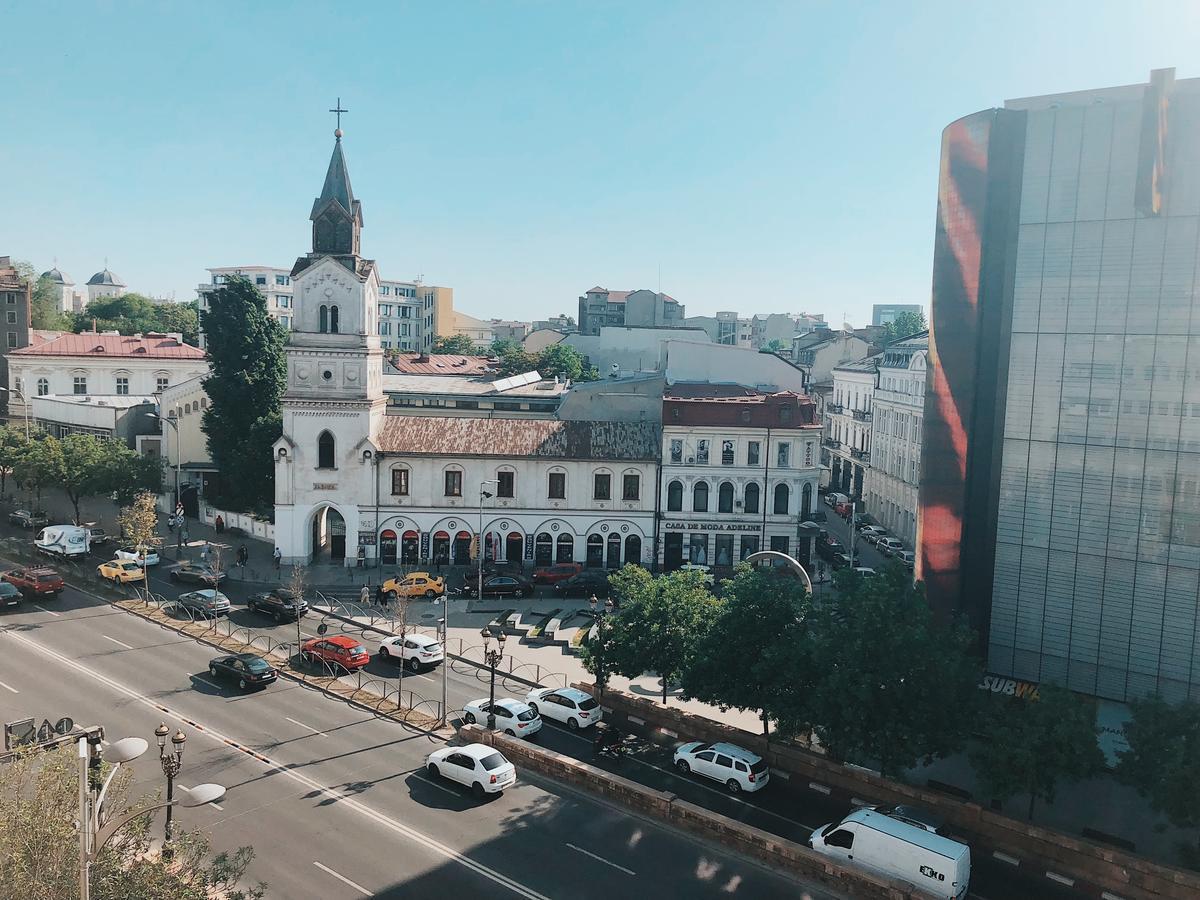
x=334 y=402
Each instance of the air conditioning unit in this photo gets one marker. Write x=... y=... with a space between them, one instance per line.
x=691 y=460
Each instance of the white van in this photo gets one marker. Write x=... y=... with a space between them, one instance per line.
x=834 y=499
x=62 y=540
x=895 y=849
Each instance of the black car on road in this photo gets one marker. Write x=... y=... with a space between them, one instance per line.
x=501 y=586
x=10 y=595
x=585 y=584
x=247 y=669
x=26 y=519
x=279 y=604
x=196 y=573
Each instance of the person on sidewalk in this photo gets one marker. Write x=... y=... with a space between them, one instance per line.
x=278 y=558
x=364 y=596
x=362 y=556
x=220 y=523
x=243 y=555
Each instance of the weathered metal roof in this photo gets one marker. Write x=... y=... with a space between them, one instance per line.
x=540 y=438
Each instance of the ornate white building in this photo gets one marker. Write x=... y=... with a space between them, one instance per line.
x=849 y=409
x=406 y=485
x=899 y=407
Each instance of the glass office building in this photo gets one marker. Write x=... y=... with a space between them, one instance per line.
x=1061 y=466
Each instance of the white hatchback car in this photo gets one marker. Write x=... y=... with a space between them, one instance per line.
x=571 y=706
x=736 y=768
x=512 y=716
x=481 y=768
x=889 y=546
x=132 y=553
x=414 y=651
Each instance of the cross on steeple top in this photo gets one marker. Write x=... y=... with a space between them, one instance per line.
x=338 y=111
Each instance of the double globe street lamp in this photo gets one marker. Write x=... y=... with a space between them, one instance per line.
x=492 y=658
x=599 y=611
x=172 y=762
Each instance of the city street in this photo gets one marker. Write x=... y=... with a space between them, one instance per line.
x=338 y=805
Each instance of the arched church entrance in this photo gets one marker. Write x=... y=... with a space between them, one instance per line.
x=328 y=536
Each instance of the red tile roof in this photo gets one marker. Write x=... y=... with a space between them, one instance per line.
x=113 y=345
x=537 y=438
x=442 y=364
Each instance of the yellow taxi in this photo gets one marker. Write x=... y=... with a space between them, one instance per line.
x=120 y=571
x=415 y=584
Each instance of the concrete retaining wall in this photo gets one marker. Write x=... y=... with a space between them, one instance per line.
x=1103 y=868
x=796 y=859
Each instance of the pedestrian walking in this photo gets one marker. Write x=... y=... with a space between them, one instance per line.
x=278 y=558
x=220 y=523
x=204 y=552
x=380 y=597
x=364 y=596
x=243 y=555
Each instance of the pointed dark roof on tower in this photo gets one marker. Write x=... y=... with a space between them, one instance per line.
x=337 y=183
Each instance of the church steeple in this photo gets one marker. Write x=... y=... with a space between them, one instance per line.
x=336 y=215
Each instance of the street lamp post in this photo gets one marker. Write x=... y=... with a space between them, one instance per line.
x=492 y=658
x=483 y=495
x=600 y=610
x=172 y=762
x=24 y=402
x=178 y=460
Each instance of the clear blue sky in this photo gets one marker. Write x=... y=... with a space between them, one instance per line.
x=762 y=156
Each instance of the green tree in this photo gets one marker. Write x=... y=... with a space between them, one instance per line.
x=744 y=660
x=1163 y=759
x=134 y=313
x=40 y=465
x=39 y=844
x=130 y=475
x=776 y=345
x=503 y=346
x=45 y=304
x=86 y=467
x=459 y=344
x=249 y=373
x=12 y=446
x=905 y=324
x=661 y=621
x=515 y=362
x=183 y=318
x=894 y=686
x=562 y=360
x=1030 y=746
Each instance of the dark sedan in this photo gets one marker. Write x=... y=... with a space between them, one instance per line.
x=196 y=574
x=279 y=604
x=10 y=594
x=248 y=670
x=501 y=586
x=586 y=583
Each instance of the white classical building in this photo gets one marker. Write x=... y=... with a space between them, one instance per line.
x=739 y=474
x=849 y=409
x=406 y=485
x=899 y=407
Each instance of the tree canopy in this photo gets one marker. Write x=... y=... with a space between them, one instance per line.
x=46 y=303
x=1032 y=745
x=1163 y=759
x=245 y=388
x=905 y=324
x=133 y=313
x=558 y=360
x=85 y=466
x=459 y=344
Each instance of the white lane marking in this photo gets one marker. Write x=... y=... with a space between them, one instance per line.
x=602 y=859
x=309 y=727
x=115 y=641
x=43 y=609
x=342 y=878
x=213 y=805
x=337 y=795
x=9 y=688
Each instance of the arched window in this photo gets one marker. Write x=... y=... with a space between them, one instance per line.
x=333 y=320
x=725 y=497
x=325 y=451
x=806 y=500
x=700 y=497
x=675 y=496
x=751 y=502
x=43 y=387
x=633 y=550
x=324 y=318
x=595 y=551
x=781 y=499
x=565 y=549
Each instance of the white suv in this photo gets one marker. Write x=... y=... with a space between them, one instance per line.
x=414 y=651
x=889 y=546
x=571 y=706
x=735 y=767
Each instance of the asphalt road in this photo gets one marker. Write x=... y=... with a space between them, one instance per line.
x=335 y=801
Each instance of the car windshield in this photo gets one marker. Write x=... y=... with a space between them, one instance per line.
x=588 y=703
x=828 y=829
x=357 y=650
x=527 y=716
x=493 y=761
x=7 y=589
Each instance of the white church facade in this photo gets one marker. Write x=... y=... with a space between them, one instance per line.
x=418 y=489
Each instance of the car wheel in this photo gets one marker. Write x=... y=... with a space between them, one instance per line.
x=212 y=670
x=733 y=785
x=478 y=791
x=241 y=684
x=414 y=665
x=518 y=593
x=430 y=594
x=433 y=769
x=573 y=723
x=384 y=654
x=174 y=576
x=469 y=718
x=510 y=732
x=683 y=767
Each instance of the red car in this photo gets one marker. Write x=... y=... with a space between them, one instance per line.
x=36 y=582
x=339 y=651
x=556 y=573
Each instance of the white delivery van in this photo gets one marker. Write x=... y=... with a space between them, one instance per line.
x=62 y=540
x=895 y=849
x=835 y=499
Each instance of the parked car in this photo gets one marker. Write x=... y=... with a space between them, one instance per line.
x=196 y=573
x=279 y=604
x=735 y=767
x=501 y=586
x=512 y=716
x=98 y=537
x=10 y=595
x=908 y=558
x=556 y=573
x=889 y=546
x=134 y=554
x=815 y=515
x=828 y=546
x=481 y=768
x=914 y=815
x=571 y=706
x=28 y=520
x=865 y=521
x=497 y=567
x=38 y=581
x=584 y=584
x=414 y=651
x=340 y=651
x=842 y=560
x=247 y=669
x=865 y=572
x=415 y=584
x=872 y=533
x=121 y=571
x=205 y=603
x=835 y=499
